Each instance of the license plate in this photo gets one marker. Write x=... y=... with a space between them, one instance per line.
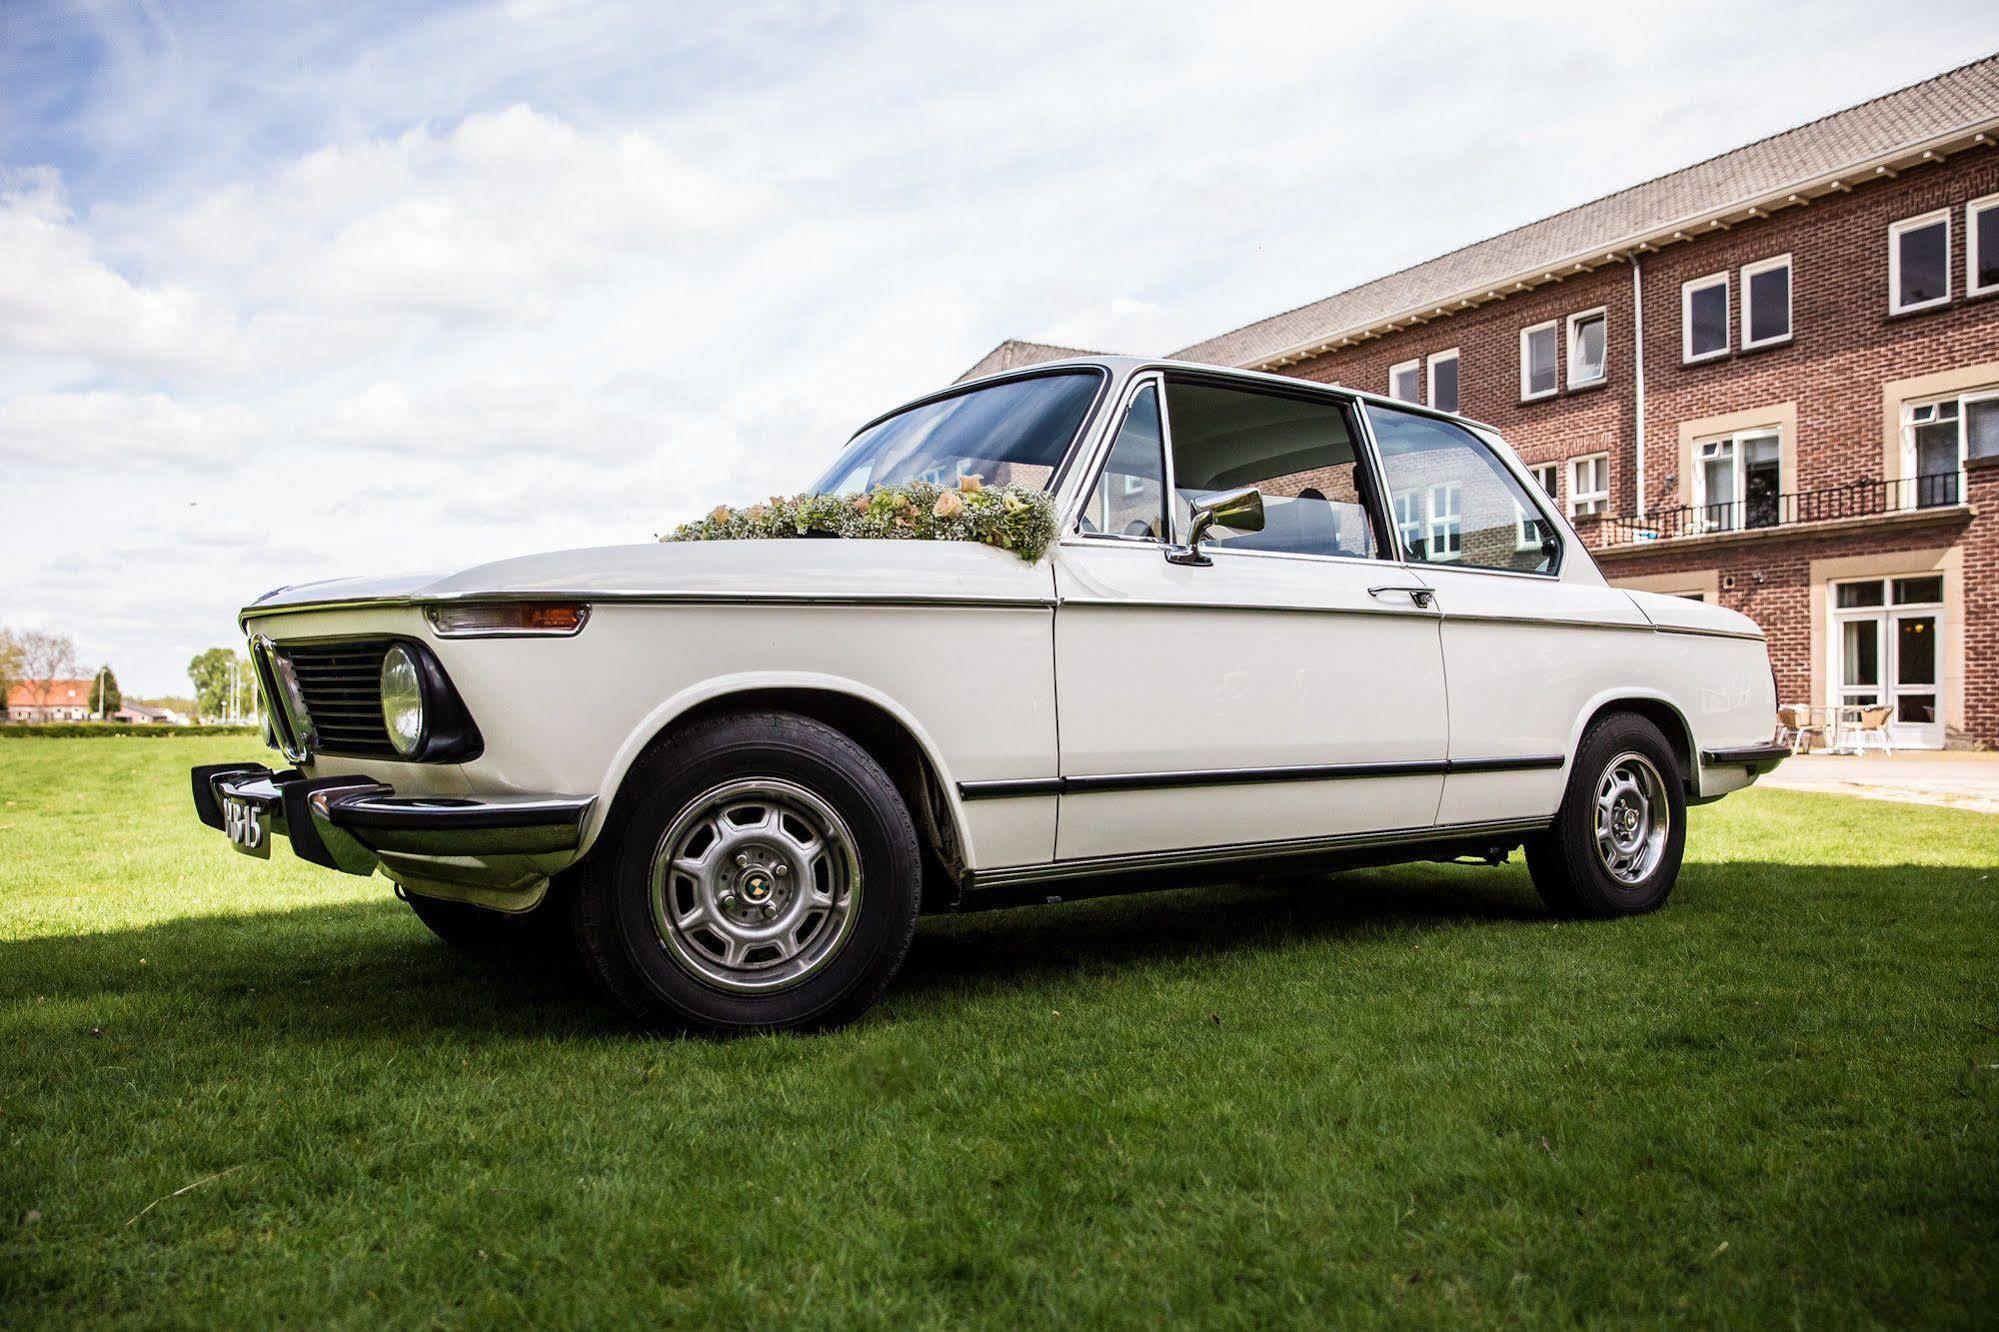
x=248 y=828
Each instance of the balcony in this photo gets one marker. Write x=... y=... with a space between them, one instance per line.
x=1940 y=495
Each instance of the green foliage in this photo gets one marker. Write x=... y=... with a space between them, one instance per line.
x=105 y=697
x=1391 y=1098
x=212 y=673
x=22 y=730
x=1014 y=518
x=11 y=664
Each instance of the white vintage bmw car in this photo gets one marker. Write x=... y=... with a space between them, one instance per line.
x=1282 y=627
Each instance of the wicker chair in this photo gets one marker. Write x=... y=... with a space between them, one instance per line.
x=1873 y=722
x=1795 y=727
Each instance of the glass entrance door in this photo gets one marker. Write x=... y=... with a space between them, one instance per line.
x=1886 y=652
x=1918 y=720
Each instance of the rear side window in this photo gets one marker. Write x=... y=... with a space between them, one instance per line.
x=1299 y=452
x=1455 y=502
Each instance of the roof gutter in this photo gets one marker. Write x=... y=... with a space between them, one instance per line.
x=1971 y=134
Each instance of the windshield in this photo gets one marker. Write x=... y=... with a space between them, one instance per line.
x=1009 y=434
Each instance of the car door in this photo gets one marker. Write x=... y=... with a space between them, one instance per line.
x=1532 y=636
x=1288 y=690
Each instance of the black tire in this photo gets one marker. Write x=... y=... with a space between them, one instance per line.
x=653 y=968
x=1573 y=875
x=476 y=928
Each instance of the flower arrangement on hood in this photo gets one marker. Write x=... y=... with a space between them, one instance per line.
x=1013 y=518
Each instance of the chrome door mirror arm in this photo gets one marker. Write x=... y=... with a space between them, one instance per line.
x=1240 y=509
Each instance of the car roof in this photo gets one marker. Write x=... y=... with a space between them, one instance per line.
x=1125 y=365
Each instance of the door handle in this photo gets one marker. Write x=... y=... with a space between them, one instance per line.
x=1422 y=596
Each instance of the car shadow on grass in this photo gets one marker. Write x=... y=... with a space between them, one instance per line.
x=370 y=969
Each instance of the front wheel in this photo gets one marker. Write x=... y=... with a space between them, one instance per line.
x=1615 y=846
x=764 y=875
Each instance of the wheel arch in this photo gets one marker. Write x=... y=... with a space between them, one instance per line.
x=871 y=720
x=1663 y=713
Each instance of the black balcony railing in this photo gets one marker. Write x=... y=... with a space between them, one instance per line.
x=1860 y=499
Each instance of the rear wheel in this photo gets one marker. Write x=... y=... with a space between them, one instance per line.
x=764 y=874
x=1615 y=847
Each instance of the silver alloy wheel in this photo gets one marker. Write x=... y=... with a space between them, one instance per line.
x=755 y=885
x=1633 y=817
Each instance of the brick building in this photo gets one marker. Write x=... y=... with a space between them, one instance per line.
x=1769 y=380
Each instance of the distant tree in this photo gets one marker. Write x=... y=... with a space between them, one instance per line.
x=105 y=697
x=45 y=659
x=224 y=684
x=210 y=672
x=11 y=666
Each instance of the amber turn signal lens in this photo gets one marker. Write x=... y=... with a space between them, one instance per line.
x=508 y=617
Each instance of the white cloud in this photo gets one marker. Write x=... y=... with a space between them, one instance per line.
x=58 y=299
x=490 y=219
x=84 y=434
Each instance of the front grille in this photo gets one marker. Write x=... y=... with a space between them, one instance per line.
x=342 y=684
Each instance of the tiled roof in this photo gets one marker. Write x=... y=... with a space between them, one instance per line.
x=59 y=694
x=1959 y=101
x=1014 y=354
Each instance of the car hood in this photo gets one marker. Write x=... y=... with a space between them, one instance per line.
x=785 y=570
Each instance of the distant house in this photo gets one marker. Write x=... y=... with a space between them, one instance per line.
x=56 y=700
x=140 y=714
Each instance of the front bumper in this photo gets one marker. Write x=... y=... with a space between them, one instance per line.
x=493 y=851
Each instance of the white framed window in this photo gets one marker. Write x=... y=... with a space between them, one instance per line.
x=1446 y=526
x=1537 y=360
x=1548 y=476
x=1589 y=484
x=1981 y=246
x=1704 y=318
x=1587 y=345
x=1405 y=381
x=1938 y=436
x=1766 y=302
x=1919 y=262
x=1409 y=519
x=1738 y=481
x=1444 y=379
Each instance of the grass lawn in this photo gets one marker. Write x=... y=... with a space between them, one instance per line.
x=1399 y=1096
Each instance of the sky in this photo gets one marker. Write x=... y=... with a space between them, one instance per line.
x=293 y=291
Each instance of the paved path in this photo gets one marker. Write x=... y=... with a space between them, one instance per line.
x=1948 y=777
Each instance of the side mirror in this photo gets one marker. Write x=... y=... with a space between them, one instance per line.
x=1240 y=509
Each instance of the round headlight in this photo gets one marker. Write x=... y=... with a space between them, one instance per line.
x=402 y=700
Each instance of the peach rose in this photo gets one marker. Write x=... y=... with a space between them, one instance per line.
x=720 y=515
x=948 y=505
x=971 y=485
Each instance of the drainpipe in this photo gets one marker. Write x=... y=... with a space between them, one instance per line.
x=1638 y=378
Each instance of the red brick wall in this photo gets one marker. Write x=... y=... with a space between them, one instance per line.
x=1844 y=343
x=1981 y=603
x=1844 y=347
x=1596 y=419
x=1773 y=586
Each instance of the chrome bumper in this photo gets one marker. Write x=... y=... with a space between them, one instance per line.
x=492 y=850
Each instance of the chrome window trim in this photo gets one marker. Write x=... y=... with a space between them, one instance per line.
x=1099 y=458
x=1372 y=484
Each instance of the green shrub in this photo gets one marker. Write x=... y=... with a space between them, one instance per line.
x=17 y=730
